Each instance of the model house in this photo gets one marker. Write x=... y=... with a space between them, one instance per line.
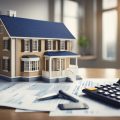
x=35 y=50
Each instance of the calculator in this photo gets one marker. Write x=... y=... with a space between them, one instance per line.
x=108 y=93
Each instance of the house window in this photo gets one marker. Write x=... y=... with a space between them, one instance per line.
x=35 y=45
x=27 y=45
x=109 y=29
x=30 y=66
x=5 y=63
x=30 y=63
x=49 y=45
x=62 y=45
x=5 y=44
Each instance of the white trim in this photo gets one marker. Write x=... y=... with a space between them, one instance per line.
x=42 y=38
x=5 y=50
x=31 y=71
x=5 y=70
x=20 y=76
x=62 y=56
x=5 y=57
x=5 y=38
x=5 y=28
x=30 y=59
x=13 y=59
x=50 y=67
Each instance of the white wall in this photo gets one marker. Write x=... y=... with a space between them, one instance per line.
x=35 y=9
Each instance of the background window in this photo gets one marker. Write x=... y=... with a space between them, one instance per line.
x=107 y=4
x=71 y=18
x=109 y=31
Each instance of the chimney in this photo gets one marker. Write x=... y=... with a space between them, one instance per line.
x=12 y=13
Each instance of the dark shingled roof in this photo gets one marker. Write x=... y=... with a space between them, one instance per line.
x=60 y=53
x=21 y=27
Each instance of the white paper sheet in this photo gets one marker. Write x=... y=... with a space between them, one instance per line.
x=74 y=87
x=95 y=108
x=23 y=95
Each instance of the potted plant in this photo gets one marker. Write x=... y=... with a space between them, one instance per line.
x=83 y=43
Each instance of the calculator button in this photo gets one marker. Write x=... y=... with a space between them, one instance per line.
x=117 y=88
x=113 y=95
x=110 y=91
x=118 y=97
x=100 y=91
x=106 y=93
x=105 y=89
x=117 y=93
x=113 y=86
x=116 y=84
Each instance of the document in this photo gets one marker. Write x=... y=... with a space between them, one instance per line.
x=23 y=95
x=95 y=108
x=74 y=88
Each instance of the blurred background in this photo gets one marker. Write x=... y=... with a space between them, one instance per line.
x=94 y=23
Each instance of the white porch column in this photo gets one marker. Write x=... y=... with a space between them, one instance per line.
x=50 y=67
x=60 y=68
x=76 y=61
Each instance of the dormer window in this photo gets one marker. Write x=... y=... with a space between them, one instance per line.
x=27 y=45
x=35 y=45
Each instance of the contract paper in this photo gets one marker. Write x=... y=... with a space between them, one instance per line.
x=75 y=89
x=95 y=108
x=23 y=95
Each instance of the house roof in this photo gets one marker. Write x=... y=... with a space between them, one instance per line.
x=60 y=53
x=22 y=27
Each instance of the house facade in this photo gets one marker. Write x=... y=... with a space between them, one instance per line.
x=35 y=50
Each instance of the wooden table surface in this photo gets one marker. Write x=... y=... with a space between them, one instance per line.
x=10 y=114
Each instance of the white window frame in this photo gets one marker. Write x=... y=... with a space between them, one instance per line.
x=5 y=58
x=49 y=45
x=28 y=64
x=62 y=45
x=26 y=45
x=35 y=45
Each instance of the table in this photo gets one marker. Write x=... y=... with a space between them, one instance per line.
x=10 y=114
